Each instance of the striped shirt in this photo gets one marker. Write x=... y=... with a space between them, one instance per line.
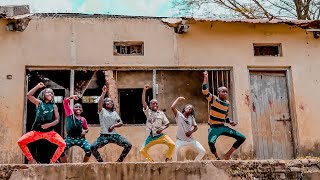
x=218 y=109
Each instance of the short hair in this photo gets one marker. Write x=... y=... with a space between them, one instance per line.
x=154 y=100
x=77 y=104
x=105 y=101
x=220 y=88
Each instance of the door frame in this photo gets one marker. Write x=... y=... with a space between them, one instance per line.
x=288 y=73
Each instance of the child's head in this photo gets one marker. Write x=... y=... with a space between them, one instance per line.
x=108 y=104
x=154 y=105
x=77 y=109
x=222 y=93
x=189 y=110
x=46 y=95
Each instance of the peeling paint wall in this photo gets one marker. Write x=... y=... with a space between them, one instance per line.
x=68 y=42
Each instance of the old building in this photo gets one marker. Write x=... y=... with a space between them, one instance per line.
x=270 y=68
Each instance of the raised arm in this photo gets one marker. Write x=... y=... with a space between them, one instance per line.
x=205 y=87
x=31 y=93
x=66 y=105
x=144 y=103
x=103 y=94
x=173 y=106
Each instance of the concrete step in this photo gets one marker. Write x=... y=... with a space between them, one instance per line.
x=188 y=170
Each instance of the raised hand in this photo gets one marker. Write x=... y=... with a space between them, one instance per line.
x=233 y=123
x=104 y=89
x=181 y=98
x=40 y=85
x=205 y=74
x=146 y=87
x=75 y=97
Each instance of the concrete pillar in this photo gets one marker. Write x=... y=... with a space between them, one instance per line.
x=112 y=86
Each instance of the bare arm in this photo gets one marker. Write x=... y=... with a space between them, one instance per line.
x=103 y=94
x=205 y=77
x=144 y=103
x=31 y=93
x=118 y=124
x=173 y=106
x=195 y=128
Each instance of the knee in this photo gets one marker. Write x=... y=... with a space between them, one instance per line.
x=20 y=142
x=241 y=139
x=202 y=151
x=172 y=145
x=63 y=144
x=143 y=151
x=129 y=146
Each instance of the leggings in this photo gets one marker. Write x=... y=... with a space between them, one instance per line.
x=77 y=141
x=104 y=139
x=33 y=136
x=217 y=130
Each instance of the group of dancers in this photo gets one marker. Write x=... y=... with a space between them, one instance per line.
x=47 y=116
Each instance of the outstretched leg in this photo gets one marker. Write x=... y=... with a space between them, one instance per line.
x=100 y=142
x=234 y=134
x=200 y=149
x=123 y=142
x=167 y=141
x=213 y=134
x=178 y=146
x=29 y=137
x=55 y=138
x=84 y=144
x=69 y=143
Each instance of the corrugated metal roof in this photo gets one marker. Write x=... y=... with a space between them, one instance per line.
x=302 y=23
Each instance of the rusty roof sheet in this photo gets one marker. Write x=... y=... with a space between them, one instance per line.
x=302 y=23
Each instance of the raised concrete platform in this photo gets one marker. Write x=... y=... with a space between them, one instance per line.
x=254 y=169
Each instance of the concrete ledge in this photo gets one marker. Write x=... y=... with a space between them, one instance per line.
x=191 y=170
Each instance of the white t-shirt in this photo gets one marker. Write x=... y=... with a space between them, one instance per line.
x=184 y=125
x=107 y=119
x=155 y=120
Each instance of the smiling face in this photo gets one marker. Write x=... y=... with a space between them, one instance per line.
x=154 y=105
x=77 y=109
x=108 y=104
x=48 y=94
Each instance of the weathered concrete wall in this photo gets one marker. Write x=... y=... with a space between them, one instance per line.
x=303 y=169
x=69 y=42
x=231 y=44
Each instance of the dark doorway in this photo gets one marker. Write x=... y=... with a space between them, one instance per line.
x=43 y=150
x=131 y=105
